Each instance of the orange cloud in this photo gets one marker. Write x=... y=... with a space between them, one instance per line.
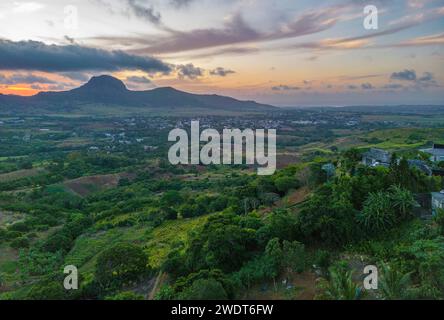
x=343 y=43
x=18 y=90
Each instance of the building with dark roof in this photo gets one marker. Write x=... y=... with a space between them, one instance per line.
x=421 y=166
x=436 y=153
x=376 y=157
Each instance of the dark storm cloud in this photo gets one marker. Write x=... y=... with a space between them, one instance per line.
x=24 y=78
x=406 y=75
x=221 y=72
x=426 y=80
x=34 y=55
x=189 y=71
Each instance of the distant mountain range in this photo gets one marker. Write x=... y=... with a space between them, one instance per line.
x=107 y=90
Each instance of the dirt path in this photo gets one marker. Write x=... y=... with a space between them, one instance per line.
x=298 y=196
x=156 y=285
x=306 y=281
x=293 y=199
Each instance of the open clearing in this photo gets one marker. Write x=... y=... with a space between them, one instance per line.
x=86 y=185
x=156 y=242
x=7 y=217
x=25 y=173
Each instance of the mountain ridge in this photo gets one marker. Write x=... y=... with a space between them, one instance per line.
x=107 y=90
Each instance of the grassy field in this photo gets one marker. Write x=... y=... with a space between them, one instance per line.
x=405 y=119
x=74 y=142
x=124 y=111
x=8 y=264
x=86 y=185
x=25 y=173
x=403 y=138
x=11 y=158
x=389 y=139
x=156 y=242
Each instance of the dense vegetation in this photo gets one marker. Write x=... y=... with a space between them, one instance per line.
x=105 y=200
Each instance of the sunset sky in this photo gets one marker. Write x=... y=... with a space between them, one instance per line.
x=282 y=52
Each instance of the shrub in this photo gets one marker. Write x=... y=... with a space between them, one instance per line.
x=120 y=265
x=294 y=256
x=19 y=226
x=284 y=184
x=127 y=295
x=204 y=289
x=3 y=234
x=21 y=242
x=322 y=259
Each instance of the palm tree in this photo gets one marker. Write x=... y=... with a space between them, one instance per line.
x=340 y=285
x=393 y=283
x=377 y=213
x=402 y=200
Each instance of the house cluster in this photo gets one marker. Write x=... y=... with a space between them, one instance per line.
x=154 y=123
x=121 y=138
x=213 y=122
x=378 y=157
x=381 y=158
x=321 y=118
x=436 y=152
